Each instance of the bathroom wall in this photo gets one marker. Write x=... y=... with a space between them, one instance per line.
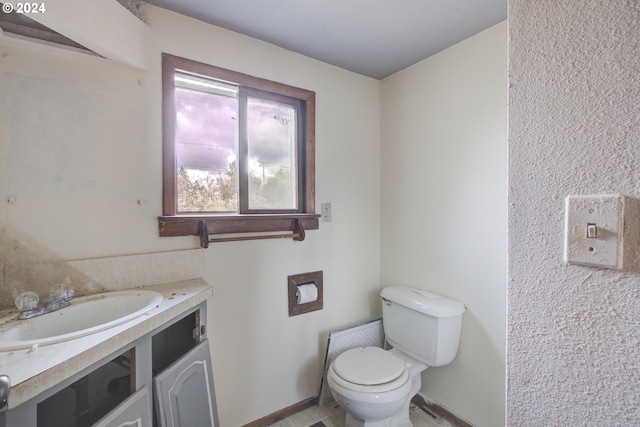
x=267 y=360
x=444 y=207
x=573 y=351
x=80 y=157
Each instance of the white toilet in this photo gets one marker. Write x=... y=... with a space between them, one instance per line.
x=375 y=386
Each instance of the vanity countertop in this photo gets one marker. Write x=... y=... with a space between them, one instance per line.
x=33 y=371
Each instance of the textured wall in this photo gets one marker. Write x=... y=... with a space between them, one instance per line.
x=573 y=352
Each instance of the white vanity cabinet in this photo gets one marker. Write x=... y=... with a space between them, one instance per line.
x=161 y=377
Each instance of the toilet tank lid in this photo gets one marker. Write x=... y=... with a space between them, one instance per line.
x=423 y=301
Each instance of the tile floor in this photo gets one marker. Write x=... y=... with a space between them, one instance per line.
x=332 y=415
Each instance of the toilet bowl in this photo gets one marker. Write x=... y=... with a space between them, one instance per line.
x=374 y=386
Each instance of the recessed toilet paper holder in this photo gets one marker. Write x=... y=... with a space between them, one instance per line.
x=301 y=283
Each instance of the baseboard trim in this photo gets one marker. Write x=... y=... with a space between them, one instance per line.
x=418 y=400
x=283 y=413
x=442 y=412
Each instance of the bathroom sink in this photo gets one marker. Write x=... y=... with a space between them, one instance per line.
x=84 y=316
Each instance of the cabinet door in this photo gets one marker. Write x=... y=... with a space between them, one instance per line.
x=134 y=412
x=184 y=393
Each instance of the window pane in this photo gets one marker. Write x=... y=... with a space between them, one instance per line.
x=271 y=133
x=205 y=147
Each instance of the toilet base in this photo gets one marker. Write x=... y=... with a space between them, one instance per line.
x=399 y=419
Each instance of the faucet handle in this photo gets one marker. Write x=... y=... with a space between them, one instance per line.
x=58 y=289
x=27 y=301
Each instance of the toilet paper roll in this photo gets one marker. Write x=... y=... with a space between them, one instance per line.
x=306 y=293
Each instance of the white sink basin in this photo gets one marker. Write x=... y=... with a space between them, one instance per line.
x=84 y=316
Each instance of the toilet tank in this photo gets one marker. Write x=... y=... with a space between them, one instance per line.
x=421 y=324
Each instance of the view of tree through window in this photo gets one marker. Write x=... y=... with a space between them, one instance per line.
x=271 y=146
x=238 y=154
x=222 y=137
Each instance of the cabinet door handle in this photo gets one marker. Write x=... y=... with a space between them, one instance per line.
x=200 y=331
x=5 y=387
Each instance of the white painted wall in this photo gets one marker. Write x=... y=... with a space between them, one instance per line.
x=444 y=207
x=573 y=352
x=80 y=144
x=266 y=360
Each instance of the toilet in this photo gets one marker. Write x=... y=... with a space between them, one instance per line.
x=375 y=386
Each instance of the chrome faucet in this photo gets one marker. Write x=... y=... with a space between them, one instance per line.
x=53 y=303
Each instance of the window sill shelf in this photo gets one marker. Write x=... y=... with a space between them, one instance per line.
x=189 y=225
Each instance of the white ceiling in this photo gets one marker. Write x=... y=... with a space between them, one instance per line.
x=375 y=38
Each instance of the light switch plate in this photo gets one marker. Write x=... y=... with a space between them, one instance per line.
x=326 y=212
x=594 y=230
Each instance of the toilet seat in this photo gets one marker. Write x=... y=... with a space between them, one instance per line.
x=369 y=370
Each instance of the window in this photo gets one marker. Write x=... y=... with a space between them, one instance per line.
x=238 y=152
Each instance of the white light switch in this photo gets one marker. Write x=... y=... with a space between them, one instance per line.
x=594 y=228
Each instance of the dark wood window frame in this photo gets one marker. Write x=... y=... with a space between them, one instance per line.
x=172 y=223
